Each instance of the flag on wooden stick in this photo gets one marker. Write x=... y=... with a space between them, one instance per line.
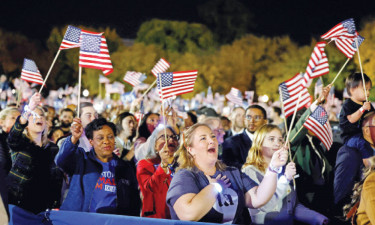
x=176 y=83
x=348 y=46
x=134 y=78
x=30 y=72
x=318 y=124
x=94 y=52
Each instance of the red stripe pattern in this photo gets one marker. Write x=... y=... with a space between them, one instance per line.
x=176 y=83
x=348 y=46
x=94 y=52
x=290 y=90
x=134 y=78
x=160 y=67
x=318 y=64
x=235 y=96
x=30 y=72
x=318 y=124
x=71 y=38
x=346 y=27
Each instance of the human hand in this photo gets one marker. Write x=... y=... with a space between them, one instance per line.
x=76 y=130
x=166 y=155
x=324 y=93
x=366 y=106
x=34 y=101
x=279 y=157
x=222 y=180
x=290 y=170
x=117 y=151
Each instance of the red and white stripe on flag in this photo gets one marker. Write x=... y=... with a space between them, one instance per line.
x=348 y=46
x=133 y=78
x=176 y=83
x=344 y=29
x=318 y=64
x=94 y=52
x=290 y=92
x=318 y=124
x=235 y=96
x=30 y=72
x=71 y=38
x=160 y=67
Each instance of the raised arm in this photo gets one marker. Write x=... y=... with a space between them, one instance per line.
x=259 y=195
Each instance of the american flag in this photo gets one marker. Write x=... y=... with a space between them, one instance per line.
x=318 y=124
x=71 y=38
x=290 y=90
x=134 y=78
x=103 y=79
x=94 y=52
x=249 y=95
x=139 y=115
x=160 y=67
x=331 y=96
x=30 y=72
x=348 y=46
x=344 y=29
x=176 y=83
x=318 y=64
x=235 y=96
x=318 y=87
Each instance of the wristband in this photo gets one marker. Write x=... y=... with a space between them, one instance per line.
x=362 y=110
x=275 y=169
x=218 y=187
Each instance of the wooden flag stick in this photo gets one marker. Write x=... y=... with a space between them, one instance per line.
x=360 y=65
x=294 y=116
x=163 y=112
x=49 y=71
x=340 y=71
x=79 y=90
x=149 y=88
x=19 y=94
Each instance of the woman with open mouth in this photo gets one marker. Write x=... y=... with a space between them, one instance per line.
x=204 y=189
x=155 y=172
x=34 y=181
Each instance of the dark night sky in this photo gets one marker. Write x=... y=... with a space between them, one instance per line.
x=301 y=19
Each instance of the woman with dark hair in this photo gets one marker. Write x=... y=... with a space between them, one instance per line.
x=154 y=173
x=146 y=127
x=99 y=181
x=126 y=126
x=34 y=181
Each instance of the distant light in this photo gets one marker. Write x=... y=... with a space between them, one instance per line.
x=13 y=91
x=85 y=93
x=265 y=98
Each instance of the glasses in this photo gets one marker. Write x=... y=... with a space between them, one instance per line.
x=256 y=118
x=174 y=137
x=219 y=130
x=101 y=138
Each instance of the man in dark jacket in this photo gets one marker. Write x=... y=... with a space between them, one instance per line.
x=100 y=181
x=236 y=148
x=349 y=164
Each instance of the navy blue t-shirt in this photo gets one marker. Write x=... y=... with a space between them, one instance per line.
x=105 y=195
x=229 y=205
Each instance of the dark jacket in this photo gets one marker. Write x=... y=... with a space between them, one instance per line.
x=235 y=149
x=34 y=181
x=5 y=160
x=84 y=171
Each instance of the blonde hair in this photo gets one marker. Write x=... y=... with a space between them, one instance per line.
x=5 y=112
x=184 y=159
x=255 y=157
x=45 y=139
x=357 y=189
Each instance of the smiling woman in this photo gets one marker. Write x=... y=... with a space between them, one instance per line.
x=206 y=190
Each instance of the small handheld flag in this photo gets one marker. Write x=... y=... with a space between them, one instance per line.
x=160 y=67
x=30 y=72
x=344 y=29
x=71 y=38
x=235 y=96
x=134 y=78
x=176 y=83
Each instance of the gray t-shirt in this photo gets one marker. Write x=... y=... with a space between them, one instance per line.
x=230 y=204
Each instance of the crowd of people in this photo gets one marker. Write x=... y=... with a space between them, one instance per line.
x=208 y=167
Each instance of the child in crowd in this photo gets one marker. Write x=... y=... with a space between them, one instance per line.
x=352 y=113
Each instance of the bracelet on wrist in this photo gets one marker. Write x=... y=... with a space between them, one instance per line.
x=362 y=110
x=26 y=115
x=273 y=169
